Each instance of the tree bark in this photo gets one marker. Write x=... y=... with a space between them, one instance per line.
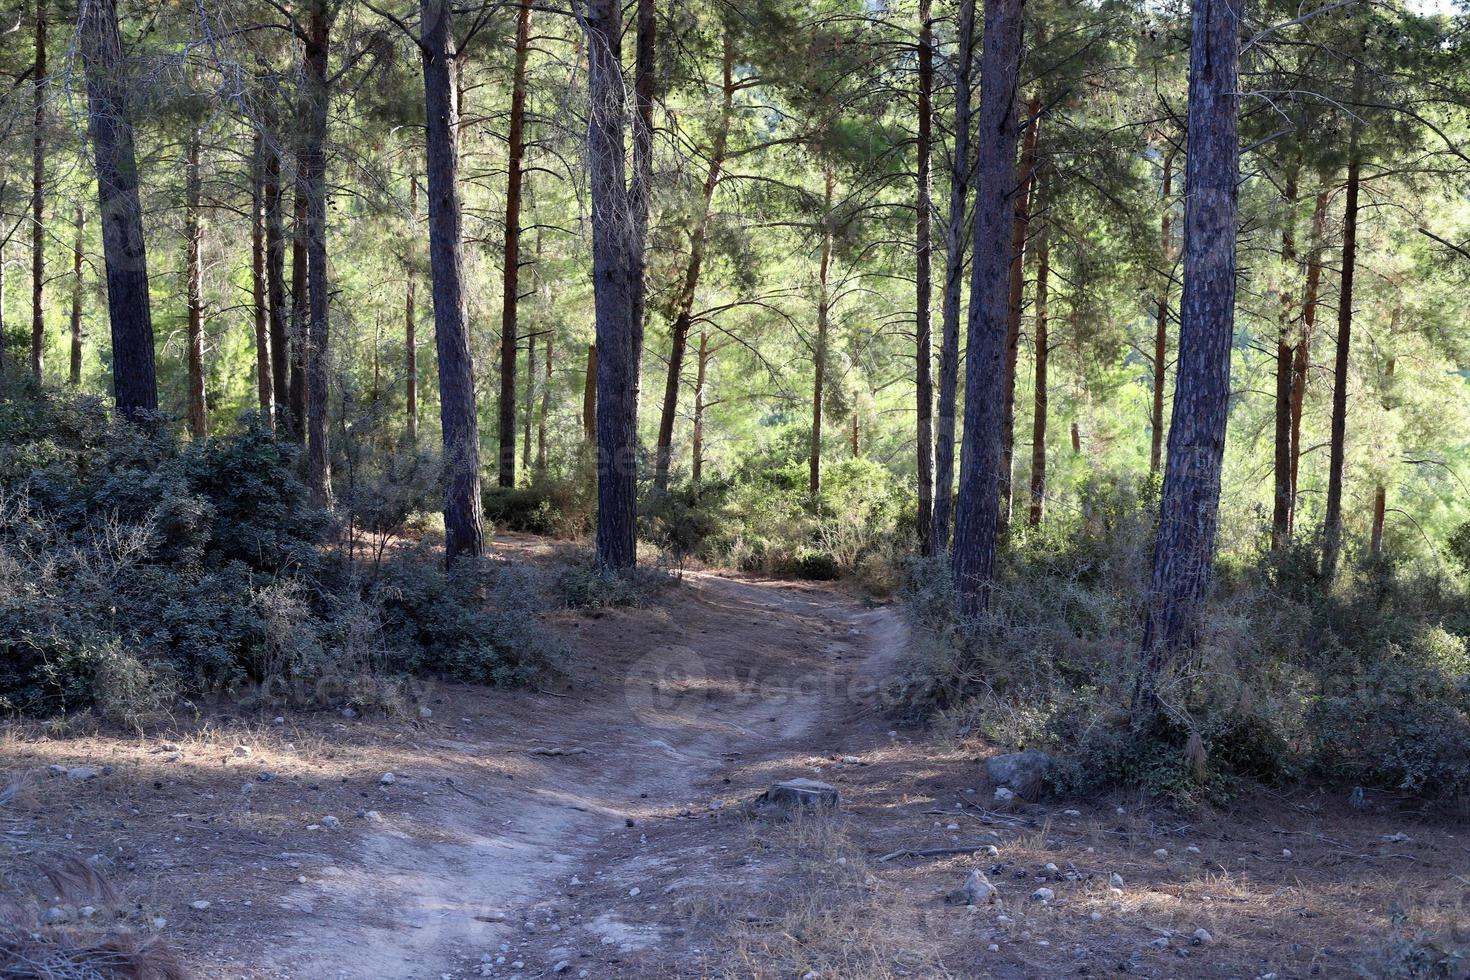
x=696 y=446
x=545 y=403
x=134 y=379
x=954 y=265
x=1020 y=231
x=411 y=319
x=684 y=308
x=819 y=351
x=617 y=269
x=38 y=200
x=589 y=399
x=1285 y=351
x=1184 y=551
x=193 y=273
x=1380 y=504
x=318 y=455
x=1161 y=316
x=1076 y=439
x=1302 y=356
x=300 y=302
x=977 y=516
x=264 y=387
x=464 y=532
x=640 y=184
x=1332 y=526
x=923 y=343
x=275 y=285
x=509 y=317
x=1039 y=406
x=76 y=299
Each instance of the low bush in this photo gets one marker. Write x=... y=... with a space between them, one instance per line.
x=134 y=569
x=1367 y=683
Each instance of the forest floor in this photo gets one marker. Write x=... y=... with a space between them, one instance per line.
x=599 y=829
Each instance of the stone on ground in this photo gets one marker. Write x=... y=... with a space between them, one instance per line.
x=802 y=794
x=1020 y=772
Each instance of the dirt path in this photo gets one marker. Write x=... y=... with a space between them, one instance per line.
x=729 y=671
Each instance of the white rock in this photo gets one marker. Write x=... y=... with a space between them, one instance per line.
x=1043 y=894
x=990 y=850
x=159 y=922
x=993 y=948
x=634 y=892
x=1192 y=849
x=953 y=826
x=1161 y=943
x=278 y=720
x=1162 y=854
x=426 y=713
x=173 y=757
x=55 y=914
x=1050 y=868
x=388 y=779
x=1286 y=852
x=851 y=760
x=55 y=770
x=247 y=788
x=329 y=822
x=1115 y=879
x=561 y=966
x=1096 y=916
x=201 y=905
x=1071 y=813
x=1002 y=794
x=243 y=751
x=81 y=773
x=979 y=890
x=87 y=911
x=1202 y=937
x=348 y=713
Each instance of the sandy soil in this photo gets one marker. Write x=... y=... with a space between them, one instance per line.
x=601 y=827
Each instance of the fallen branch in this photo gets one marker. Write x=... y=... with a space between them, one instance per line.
x=932 y=852
x=558 y=751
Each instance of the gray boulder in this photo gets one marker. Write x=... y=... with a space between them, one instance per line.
x=1021 y=772
x=802 y=794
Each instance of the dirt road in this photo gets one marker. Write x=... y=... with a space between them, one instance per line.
x=561 y=863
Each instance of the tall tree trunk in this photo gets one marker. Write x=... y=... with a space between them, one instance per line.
x=1039 y=409
x=684 y=307
x=696 y=446
x=76 y=299
x=1161 y=315
x=275 y=284
x=529 y=409
x=301 y=356
x=1020 y=230
x=819 y=351
x=589 y=399
x=1076 y=439
x=617 y=267
x=977 y=516
x=411 y=319
x=134 y=380
x=193 y=273
x=1184 y=552
x=954 y=265
x=38 y=199
x=1285 y=350
x=924 y=248
x=264 y=385
x=640 y=184
x=3 y=328
x=509 y=317
x=464 y=531
x=1380 y=505
x=545 y=403
x=1332 y=526
x=1302 y=357
x=318 y=455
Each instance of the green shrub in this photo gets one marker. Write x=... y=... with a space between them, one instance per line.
x=133 y=568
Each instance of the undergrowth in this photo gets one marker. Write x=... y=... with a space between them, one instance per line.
x=1365 y=683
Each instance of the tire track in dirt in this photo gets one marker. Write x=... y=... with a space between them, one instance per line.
x=724 y=670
